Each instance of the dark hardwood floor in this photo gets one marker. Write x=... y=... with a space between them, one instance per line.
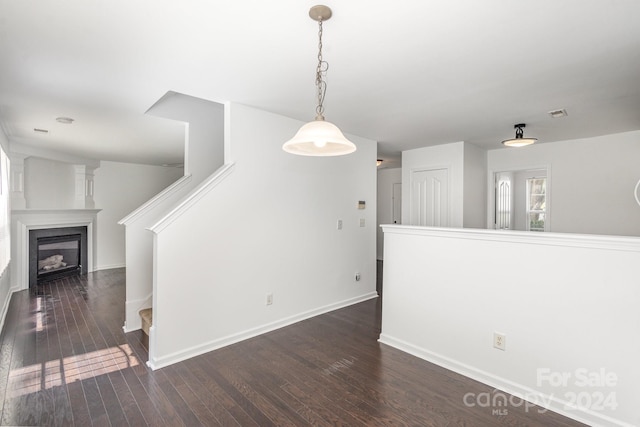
x=66 y=361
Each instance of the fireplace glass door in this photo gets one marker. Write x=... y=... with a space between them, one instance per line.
x=57 y=252
x=58 y=255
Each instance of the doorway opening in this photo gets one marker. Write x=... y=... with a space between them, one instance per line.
x=521 y=200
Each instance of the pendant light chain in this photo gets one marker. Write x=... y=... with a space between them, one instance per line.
x=319 y=137
x=322 y=68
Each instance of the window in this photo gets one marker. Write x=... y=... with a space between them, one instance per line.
x=536 y=203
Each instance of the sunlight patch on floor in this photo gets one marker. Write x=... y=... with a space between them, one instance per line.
x=53 y=373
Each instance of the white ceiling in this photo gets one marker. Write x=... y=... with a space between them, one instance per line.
x=408 y=74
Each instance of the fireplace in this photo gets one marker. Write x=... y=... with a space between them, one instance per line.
x=56 y=253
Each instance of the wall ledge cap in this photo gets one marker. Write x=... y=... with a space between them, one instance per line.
x=619 y=243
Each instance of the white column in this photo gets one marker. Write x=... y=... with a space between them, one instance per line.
x=18 y=200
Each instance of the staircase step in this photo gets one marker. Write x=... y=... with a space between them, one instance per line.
x=146 y=316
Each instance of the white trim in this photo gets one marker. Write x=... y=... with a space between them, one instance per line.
x=157 y=199
x=617 y=243
x=132 y=309
x=34 y=219
x=207 y=185
x=228 y=158
x=157 y=363
x=5 y=307
x=543 y=400
x=108 y=267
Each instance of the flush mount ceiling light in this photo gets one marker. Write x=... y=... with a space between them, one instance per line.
x=319 y=137
x=519 y=140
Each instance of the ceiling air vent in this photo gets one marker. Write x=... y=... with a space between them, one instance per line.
x=556 y=114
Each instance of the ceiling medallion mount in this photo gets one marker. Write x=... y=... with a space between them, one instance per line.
x=519 y=140
x=319 y=137
x=320 y=12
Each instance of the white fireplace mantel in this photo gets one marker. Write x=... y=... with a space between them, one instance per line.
x=24 y=220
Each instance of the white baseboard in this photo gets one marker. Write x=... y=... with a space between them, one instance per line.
x=5 y=281
x=545 y=401
x=5 y=308
x=161 y=362
x=132 y=309
x=109 y=267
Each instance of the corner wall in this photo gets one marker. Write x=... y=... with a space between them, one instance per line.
x=475 y=187
x=5 y=238
x=204 y=151
x=591 y=181
x=119 y=189
x=467 y=168
x=386 y=179
x=268 y=228
x=449 y=156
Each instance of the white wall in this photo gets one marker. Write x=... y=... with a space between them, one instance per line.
x=49 y=184
x=436 y=157
x=592 y=181
x=564 y=301
x=475 y=187
x=269 y=227
x=467 y=180
x=386 y=179
x=5 y=276
x=519 y=196
x=204 y=151
x=119 y=189
x=204 y=144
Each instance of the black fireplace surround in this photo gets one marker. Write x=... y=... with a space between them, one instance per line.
x=56 y=253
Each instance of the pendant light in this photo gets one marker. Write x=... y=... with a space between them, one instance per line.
x=519 y=140
x=319 y=137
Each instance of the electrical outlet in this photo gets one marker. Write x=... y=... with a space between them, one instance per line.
x=361 y=222
x=339 y=224
x=269 y=299
x=357 y=277
x=499 y=341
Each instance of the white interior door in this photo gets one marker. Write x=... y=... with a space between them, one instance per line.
x=397 y=203
x=504 y=201
x=430 y=198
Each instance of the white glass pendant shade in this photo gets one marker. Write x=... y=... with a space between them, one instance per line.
x=319 y=138
x=519 y=142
